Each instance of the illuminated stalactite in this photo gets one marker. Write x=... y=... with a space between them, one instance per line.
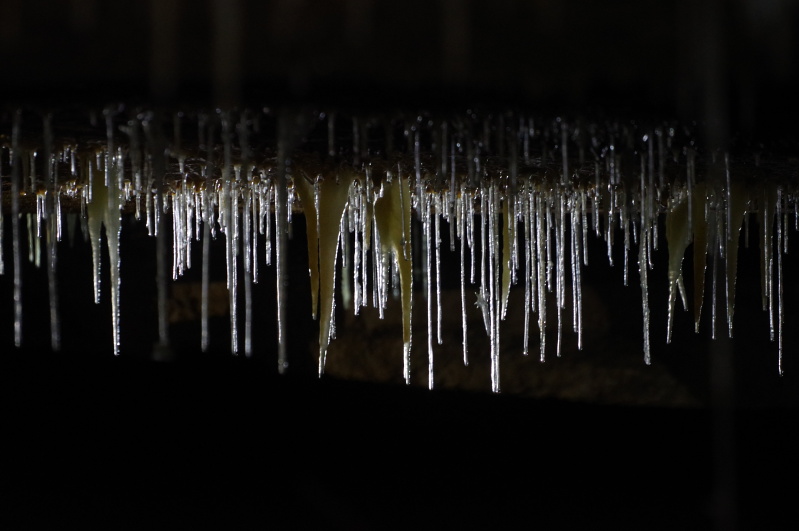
x=520 y=194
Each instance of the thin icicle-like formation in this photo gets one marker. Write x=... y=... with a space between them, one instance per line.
x=541 y=245
x=678 y=238
x=736 y=205
x=16 y=177
x=461 y=214
x=527 y=213
x=229 y=216
x=643 y=266
x=248 y=270
x=104 y=211
x=576 y=264
x=428 y=249
x=281 y=237
x=515 y=191
x=560 y=282
x=493 y=282
x=52 y=218
x=779 y=247
x=437 y=233
x=205 y=339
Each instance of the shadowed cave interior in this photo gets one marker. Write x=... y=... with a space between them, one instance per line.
x=701 y=437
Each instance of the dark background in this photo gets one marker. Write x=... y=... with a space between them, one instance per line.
x=130 y=443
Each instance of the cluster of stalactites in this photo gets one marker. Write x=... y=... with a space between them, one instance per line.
x=511 y=219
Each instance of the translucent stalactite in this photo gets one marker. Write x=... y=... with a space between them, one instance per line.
x=392 y=211
x=437 y=238
x=576 y=264
x=528 y=269
x=309 y=197
x=541 y=263
x=493 y=216
x=780 y=290
x=523 y=200
x=560 y=282
x=205 y=282
x=736 y=211
x=2 y=231
x=767 y=205
x=462 y=211
x=104 y=211
x=643 y=266
x=248 y=273
x=333 y=197
x=508 y=235
x=678 y=238
x=15 y=158
x=697 y=225
x=367 y=215
x=281 y=237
